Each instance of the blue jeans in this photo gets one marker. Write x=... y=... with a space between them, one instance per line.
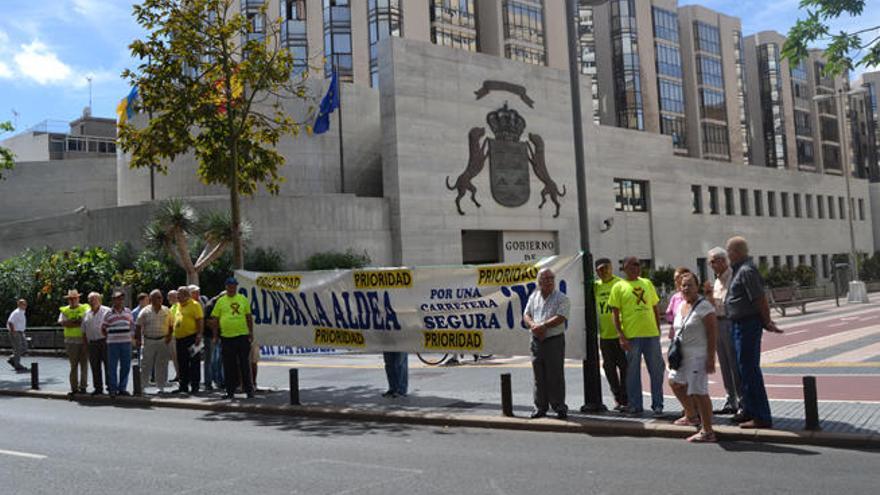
x=747 y=343
x=649 y=347
x=397 y=371
x=118 y=366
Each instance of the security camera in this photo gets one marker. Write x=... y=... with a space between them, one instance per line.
x=607 y=224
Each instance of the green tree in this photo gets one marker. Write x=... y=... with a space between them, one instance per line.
x=845 y=50
x=7 y=158
x=177 y=224
x=214 y=88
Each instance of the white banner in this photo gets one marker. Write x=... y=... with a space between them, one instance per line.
x=466 y=309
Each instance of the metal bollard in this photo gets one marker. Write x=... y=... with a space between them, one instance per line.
x=294 y=387
x=811 y=405
x=136 y=380
x=35 y=376
x=506 y=396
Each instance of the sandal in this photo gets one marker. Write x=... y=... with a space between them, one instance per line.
x=703 y=437
x=686 y=421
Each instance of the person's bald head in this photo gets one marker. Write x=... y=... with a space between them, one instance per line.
x=632 y=267
x=737 y=249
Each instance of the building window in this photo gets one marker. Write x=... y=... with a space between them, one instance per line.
x=777 y=261
x=796 y=197
x=841 y=208
x=715 y=140
x=337 y=39
x=802 y=259
x=630 y=195
x=697 y=195
x=831 y=157
x=294 y=34
x=831 y=208
x=454 y=24
x=808 y=201
x=772 y=116
x=587 y=52
x=626 y=66
x=707 y=38
x=861 y=209
x=820 y=207
x=671 y=96
x=745 y=129
x=728 y=201
x=762 y=261
x=789 y=261
x=802 y=124
x=824 y=266
x=744 y=202
x=665 y=25
x=524 y=31
x=783 y=198
x=384 y=20
x=759 y=203
x=713 y=200
x=702 y=269
x=805 y=153
x=771 y=203
x=675 y=126
x=713 y=105
x=709 y=71
x=668 y=60
x=814 y=263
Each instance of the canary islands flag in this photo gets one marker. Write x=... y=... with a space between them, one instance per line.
x=328 y=105
x=125 y=109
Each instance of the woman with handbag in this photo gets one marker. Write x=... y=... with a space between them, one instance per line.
x=692 y=359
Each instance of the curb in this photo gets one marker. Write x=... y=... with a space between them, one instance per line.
x=590 y=426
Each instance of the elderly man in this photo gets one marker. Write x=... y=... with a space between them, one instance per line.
x=118 y=329
x=233 y=311
x=633 y=302
x=16 y=324
x=715 y=294
x=746 y=306
x=153 y=325
x=92 y=325
x=189 y=323
x=546 y=314
x=71 y=319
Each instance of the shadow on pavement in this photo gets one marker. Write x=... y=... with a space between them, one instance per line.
x=767 y=448
x=312 y=426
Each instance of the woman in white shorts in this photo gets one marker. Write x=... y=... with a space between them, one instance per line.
x=695 y=324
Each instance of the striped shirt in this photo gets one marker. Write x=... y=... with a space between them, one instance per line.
x=119 y=326
x=154 y=324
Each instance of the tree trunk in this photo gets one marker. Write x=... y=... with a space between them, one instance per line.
x=192 y=277
x=235 y=212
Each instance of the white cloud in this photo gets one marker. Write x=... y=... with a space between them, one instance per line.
x=38 y=62
x=5 y=71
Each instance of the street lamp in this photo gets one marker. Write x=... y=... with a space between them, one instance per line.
x=592 y=385
x=857 y=291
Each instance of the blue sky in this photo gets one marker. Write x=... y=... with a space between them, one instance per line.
x=49 y=47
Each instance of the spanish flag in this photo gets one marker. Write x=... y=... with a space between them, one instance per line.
x=125 y=109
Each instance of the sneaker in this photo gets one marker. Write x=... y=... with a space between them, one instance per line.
x=97 y=392
x=562 y=414
x=228 y=397
x=537 y=413
x=740 y=417
x=621 y=408
x=82 y=390
x=633 y=411
x=657 y=413
x=125 y=393
x=250 y=395
x=21 y=369
x=388 y=393
x=726 y=410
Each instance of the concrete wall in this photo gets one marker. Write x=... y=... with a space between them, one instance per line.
x=28 y=147
x=874 y=189
x=297 y=226
x=49 y=188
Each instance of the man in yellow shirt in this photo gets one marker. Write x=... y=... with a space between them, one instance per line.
x=71 y=318
x=633 y=302
x=237 y=331
x=613 y=357
x=188 y=327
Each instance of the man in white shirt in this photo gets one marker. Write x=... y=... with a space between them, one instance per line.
x=16 y=324
x=92 y=324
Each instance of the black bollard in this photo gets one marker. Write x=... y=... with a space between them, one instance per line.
x=35 y=376
x=136 y=380
x=506 y=396
x=294 y=387
x=811 y=404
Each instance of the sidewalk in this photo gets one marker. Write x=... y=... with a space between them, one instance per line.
x=350 y=387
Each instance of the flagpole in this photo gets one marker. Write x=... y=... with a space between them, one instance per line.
x=335 y=58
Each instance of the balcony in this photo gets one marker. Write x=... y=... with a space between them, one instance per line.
x=251 y=5
x=293 y=32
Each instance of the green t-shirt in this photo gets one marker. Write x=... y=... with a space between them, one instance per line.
x=73 y=314
x=636 y=300
x=606 y=317
x=232 y=313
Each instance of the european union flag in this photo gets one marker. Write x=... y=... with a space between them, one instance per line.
x=328 y=105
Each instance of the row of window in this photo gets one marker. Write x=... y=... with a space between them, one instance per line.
x=754 y=203
x=778 y=261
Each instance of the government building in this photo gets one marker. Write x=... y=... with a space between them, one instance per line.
x=458 y=147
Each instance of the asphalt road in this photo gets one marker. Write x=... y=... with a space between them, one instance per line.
x=55 y=447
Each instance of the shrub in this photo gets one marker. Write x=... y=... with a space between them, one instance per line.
x=663 y=276
x=336 y=260
x=805 y=276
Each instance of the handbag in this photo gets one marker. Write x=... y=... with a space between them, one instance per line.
x=674 y=354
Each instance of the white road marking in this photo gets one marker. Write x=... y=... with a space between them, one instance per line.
x=793 y=350
x=21 y=454
x=795 y=332
x=835 y=325
x=857 y=355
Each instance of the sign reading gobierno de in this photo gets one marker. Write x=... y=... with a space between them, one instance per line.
x=467 y=309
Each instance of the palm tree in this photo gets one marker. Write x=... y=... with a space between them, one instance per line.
x=176 y=223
